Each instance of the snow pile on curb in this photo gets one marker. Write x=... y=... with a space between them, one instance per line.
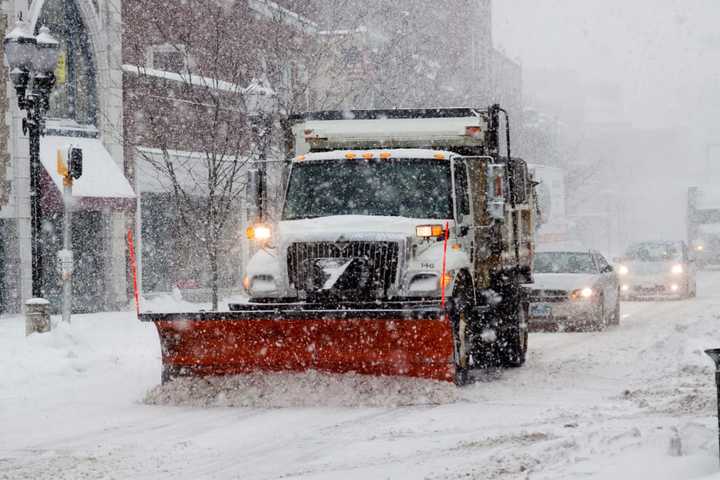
x=310 y=389
x=98 y=344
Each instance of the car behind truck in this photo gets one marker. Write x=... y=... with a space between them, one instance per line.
x=401 y=249
x=703 y=225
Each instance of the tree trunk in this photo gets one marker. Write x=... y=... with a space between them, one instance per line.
x=214 y=276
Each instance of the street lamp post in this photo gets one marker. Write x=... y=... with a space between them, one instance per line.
x=32 y=61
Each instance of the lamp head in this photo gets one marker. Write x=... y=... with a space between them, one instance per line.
x=20 y=45
x=46 y=52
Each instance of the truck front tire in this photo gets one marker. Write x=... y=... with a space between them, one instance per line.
x=513 y=344
x=460 y=316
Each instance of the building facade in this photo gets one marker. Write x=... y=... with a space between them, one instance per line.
x=165 y=106
x=85 y=109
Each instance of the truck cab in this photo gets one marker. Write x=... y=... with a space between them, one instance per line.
x=394 y=224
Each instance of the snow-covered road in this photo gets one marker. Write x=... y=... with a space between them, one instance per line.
x=636 y=401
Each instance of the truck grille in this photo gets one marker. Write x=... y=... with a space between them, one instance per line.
x=373 y=272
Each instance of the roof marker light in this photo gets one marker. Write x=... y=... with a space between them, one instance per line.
x=368 y=155
x=439 y=156
x=385 y=155
x=350 y=155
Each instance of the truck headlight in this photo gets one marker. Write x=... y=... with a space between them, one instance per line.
x=699 y=248
x=677 y=269
x=623 y=270
x=429 y=231
x=260 y=232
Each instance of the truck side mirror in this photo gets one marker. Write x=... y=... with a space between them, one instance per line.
x=496 y=193
x=519 y=174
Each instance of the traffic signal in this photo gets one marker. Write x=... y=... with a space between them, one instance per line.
x=75 y=159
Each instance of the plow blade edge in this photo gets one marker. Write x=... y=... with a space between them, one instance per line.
x=373 y=342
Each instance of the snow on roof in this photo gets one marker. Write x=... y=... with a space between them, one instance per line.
x=101 y=176
x=372 y=133
x=255 y=87
x=394 y=127
x=190 y=169
x=394 y=153
x=273 y=11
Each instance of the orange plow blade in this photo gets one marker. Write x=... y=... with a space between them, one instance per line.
x=374 y=342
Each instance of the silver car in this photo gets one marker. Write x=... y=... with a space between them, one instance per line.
x=574 y=290
x=655 y=269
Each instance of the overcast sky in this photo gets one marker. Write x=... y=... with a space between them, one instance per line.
x=664 y=54
x=662 y=57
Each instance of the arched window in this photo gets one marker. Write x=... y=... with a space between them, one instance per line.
x=74 y=96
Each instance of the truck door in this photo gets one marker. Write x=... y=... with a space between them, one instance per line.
x=481 y=222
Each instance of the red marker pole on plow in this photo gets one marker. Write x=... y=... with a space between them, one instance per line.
x=442 y=276
x=133 y=268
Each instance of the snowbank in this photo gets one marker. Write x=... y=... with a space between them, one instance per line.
x=311 y=389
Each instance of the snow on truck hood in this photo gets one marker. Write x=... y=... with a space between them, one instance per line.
x=335 y=226
x=563 y=281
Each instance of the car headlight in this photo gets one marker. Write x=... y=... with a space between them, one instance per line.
x=623 y=270
x=581 y=293
x=677 y=269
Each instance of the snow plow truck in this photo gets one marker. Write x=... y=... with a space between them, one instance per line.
x=403 y=244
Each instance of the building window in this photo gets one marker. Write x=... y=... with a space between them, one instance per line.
x=74 y=96
x=168 y=58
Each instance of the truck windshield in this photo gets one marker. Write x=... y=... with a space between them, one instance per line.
x=414 y=188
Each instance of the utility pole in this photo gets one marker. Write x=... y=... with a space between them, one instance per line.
x=69 y=171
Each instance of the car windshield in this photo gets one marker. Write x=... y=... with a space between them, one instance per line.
x=413 y=188
x=654 y=252
x=564 y=262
